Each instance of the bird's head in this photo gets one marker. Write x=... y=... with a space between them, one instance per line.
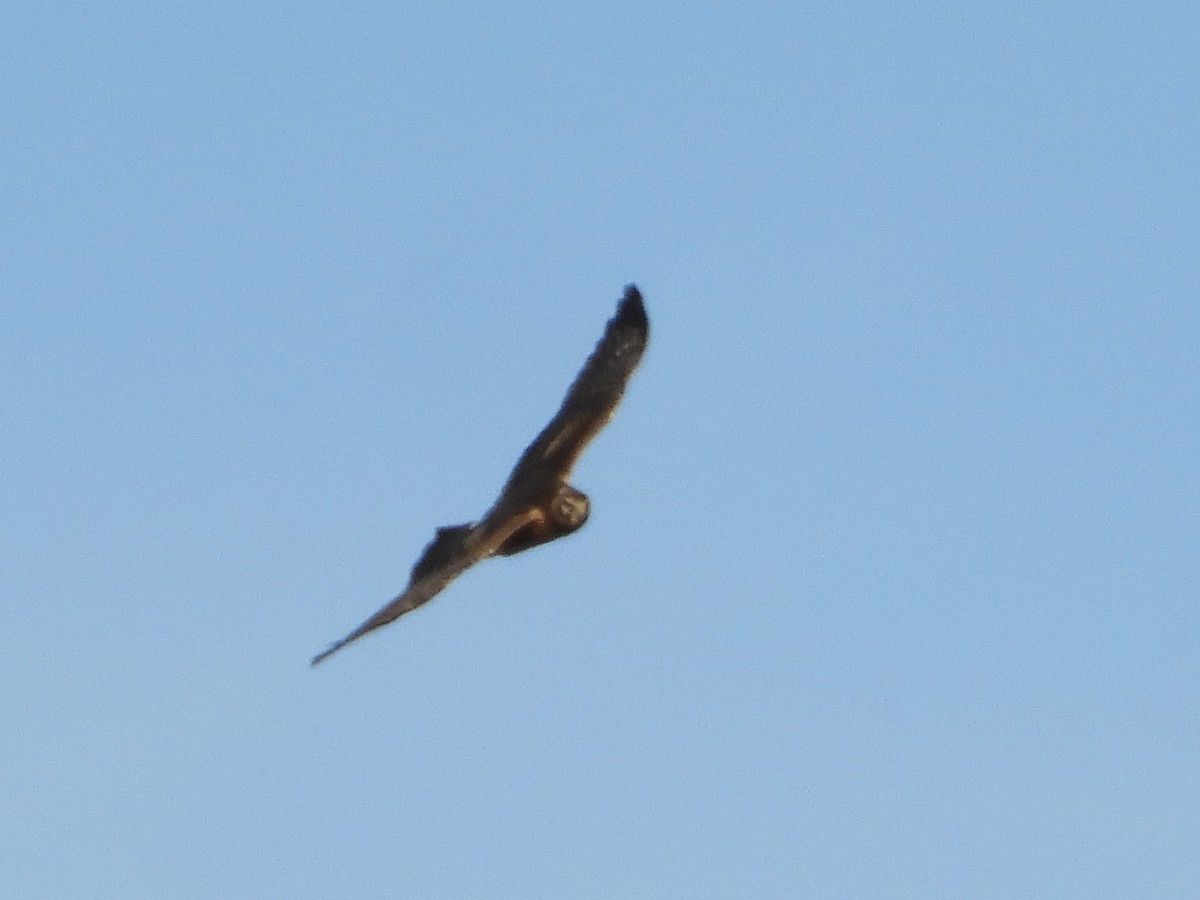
x=569 y=508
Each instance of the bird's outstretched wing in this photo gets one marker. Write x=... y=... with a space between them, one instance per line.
x=450 y=554
x=593 y=397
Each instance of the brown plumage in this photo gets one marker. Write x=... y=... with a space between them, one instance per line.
x=536 y=505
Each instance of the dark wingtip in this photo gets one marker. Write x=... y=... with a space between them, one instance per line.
x=631 y=310
x=326 y=653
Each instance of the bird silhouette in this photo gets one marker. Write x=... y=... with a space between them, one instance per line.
x=536 y=504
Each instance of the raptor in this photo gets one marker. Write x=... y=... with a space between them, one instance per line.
x=537 y=504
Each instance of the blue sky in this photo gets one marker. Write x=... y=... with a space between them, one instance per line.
x=890 y=584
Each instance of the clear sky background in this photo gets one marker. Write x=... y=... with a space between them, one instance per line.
x=890 y=585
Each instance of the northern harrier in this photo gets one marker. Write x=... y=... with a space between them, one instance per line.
x=537 y=505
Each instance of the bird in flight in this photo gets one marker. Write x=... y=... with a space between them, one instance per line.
x=536 y=505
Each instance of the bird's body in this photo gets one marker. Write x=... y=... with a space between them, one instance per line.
x=536 y=504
